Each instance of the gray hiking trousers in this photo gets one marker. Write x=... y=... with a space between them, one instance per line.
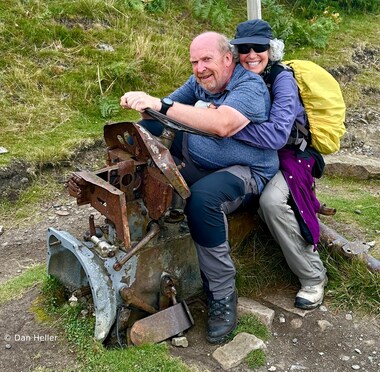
x=282 y=223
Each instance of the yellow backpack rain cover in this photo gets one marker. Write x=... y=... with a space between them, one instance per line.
x=323 y=102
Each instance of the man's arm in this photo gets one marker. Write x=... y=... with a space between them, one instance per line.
x=223 y=121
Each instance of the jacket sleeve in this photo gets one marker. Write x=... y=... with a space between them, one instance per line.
x=274 y=133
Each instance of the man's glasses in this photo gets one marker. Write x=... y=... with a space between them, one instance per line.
x=257 y=48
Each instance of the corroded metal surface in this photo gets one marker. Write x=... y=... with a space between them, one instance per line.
x=105 y=198
x=153 y=231
x=157 y=193
x=162 y=325
x=76 y=266
x=138 y=283
x=142 y=145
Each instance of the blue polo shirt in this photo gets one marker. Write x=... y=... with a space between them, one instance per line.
x=247 y=93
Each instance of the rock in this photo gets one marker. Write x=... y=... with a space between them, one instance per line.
x=324 y=324
x=296 y=323
x=355 y=366
x=247 y=306
x=286 y=302
x=180 y=342
x=62 y=213
x=272 y=368
x=73 y=301
x=1 y=230
x=355 y=166
x=297 y=367
x=106 y=47
x=232 y=354
x=348 y=316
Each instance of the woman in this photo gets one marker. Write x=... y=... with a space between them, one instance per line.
x=288 y=204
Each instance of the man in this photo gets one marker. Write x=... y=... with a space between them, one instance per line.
x=230 y=171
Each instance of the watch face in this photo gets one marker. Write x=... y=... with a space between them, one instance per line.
x=167 y=101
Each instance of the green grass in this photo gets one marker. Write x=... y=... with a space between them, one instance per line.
x=65 y=64
x=15 y=287
x=261 y=266
x=351 y=285
x=357 y=203
x=256 y=359
x=30 y=203
x=251 y=324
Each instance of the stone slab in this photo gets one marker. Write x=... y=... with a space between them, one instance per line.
x=286 y=302
x=247 y=306
x=232 y=354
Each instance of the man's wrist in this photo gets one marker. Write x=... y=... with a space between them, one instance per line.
x=166 y=103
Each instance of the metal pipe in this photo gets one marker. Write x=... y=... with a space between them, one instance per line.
x=153 y=231
x=131 y=299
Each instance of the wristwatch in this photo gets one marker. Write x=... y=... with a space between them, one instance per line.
x=166 y=104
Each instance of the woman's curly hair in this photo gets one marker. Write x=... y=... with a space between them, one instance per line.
x=276 y=50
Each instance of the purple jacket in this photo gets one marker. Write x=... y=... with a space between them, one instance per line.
x=297 y=173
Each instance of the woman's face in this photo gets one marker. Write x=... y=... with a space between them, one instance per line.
x=252 y=60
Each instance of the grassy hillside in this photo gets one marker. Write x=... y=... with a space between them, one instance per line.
x=65 y=63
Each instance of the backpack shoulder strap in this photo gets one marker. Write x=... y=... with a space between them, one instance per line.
x=299 y=135
x=275 y=69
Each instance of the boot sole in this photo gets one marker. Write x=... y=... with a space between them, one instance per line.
x=221 y=339
x=308 y=307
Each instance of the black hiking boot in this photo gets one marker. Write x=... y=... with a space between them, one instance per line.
x=222 y=316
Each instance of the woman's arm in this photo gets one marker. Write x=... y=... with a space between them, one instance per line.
x=274 y=133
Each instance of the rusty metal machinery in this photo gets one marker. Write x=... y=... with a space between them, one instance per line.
x=143 y=239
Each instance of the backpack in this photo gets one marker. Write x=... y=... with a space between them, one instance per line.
x=323 y=101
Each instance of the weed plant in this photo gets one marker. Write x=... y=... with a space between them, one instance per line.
x=351 y=285
x=309 y=7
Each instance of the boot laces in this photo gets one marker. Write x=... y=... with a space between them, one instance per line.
x=219 y=308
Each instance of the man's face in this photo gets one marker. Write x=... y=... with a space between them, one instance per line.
x=212 y=69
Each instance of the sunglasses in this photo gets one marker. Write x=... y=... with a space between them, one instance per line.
x=257 y=48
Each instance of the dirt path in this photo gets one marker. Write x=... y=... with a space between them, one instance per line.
x=298 y=343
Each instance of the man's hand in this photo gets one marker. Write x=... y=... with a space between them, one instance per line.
x=139 y=101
